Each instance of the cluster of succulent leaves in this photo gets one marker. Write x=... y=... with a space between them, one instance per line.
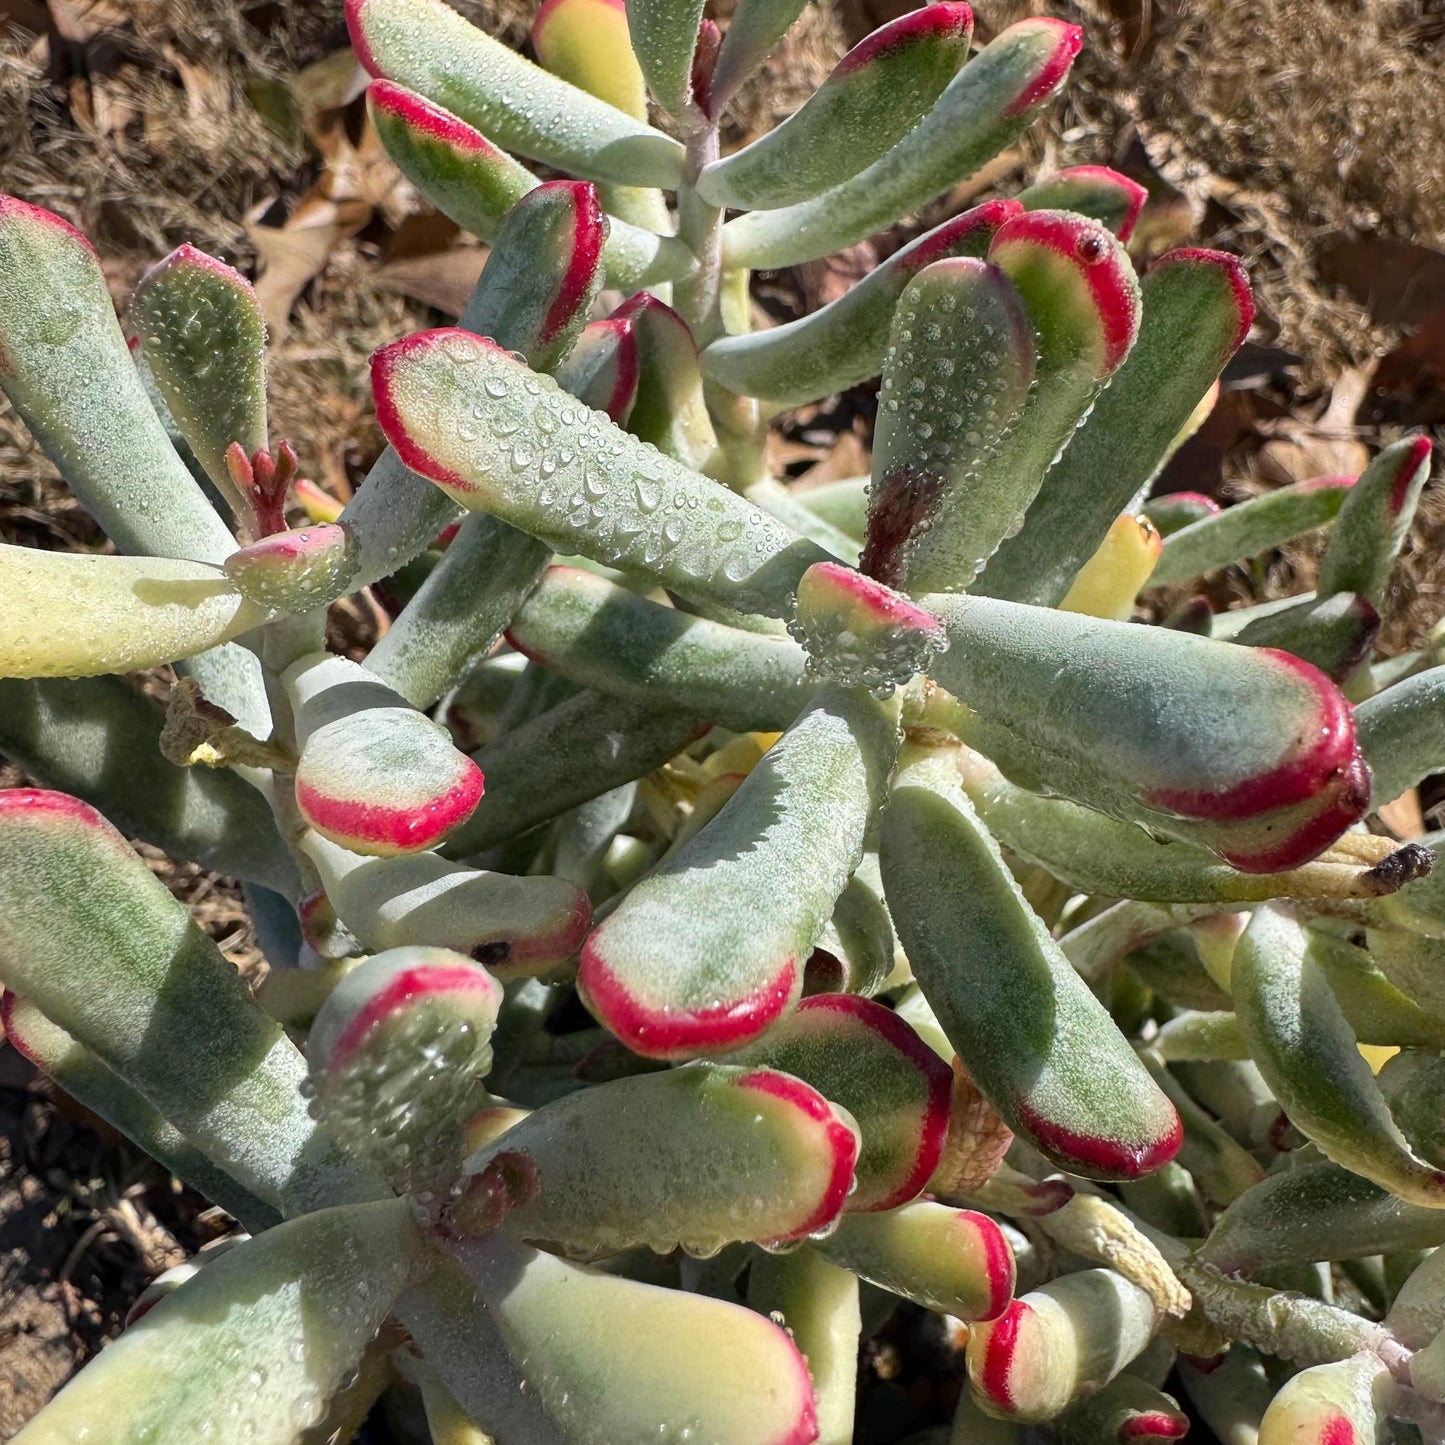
x=715 y=911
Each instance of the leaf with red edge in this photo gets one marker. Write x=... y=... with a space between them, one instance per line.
x=427 y=47
x=984 y=108
x=708 y=951
x=844 y=343
x=863 y=1056
x=67 y=370
x=603 y=369
x=463 y=413
x=955 y=1261
x=1127 y=1411
x=1335 y=634
x=1101 y=194
x=1332 y=1404
x=422 y=1015
x=517 y=927
x=203 y=336
x=1058 y=1344
x=698 y=1157
x=1196 y=312
x=1245 y=751
x=588 y=44
x=295 y=571
x=1174 y=511
x=1038 y=1044
x=374 y=775
x=876 y=94
x=1374 y=521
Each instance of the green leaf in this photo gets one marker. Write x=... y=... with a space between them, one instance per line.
x=986 y=106
x=1101 y=194
x=877 y=93
x=1039 y=1045
x=1316 y=1212
x=1249 y=529
x=603 y=370
x=606 y=637
x=203 y=336
x=664 y=39
x=397 y=1055
x=374 y=775
x=1306 y=1051
x=1126 y=1410
x=860 y=1055
x=1374 y=521
x=99 y=739
x=1196 y=310
x=93 y=1084
x=572 y=1334
x=464 y=413
x=253 y=1346
x=1335 y=634
x=656 y=1160
x=517 y=927
x=1413 y=1083
x=845 y=342
x=91 y=938
x=1177 y=510
x=843 y=504
x=1057 y=1344
x=66 y=368
x=484 y=576
x=755 y=28
x=1248 y=752
x=955 y=1261
x=708 y=950
x=1402 y=733
x=427 y=47
x=69 y=614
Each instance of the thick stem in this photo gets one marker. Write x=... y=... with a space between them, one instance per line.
x=700 y=228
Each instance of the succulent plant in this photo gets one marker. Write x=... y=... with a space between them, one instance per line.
x=714 y=911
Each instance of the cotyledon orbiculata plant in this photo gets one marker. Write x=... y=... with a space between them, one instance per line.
x=714 y=910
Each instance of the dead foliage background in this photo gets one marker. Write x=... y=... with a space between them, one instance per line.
x=1302 y=134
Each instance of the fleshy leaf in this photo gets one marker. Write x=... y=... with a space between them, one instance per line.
x=66 y=368
x=1402 y=733
x=655 y=1160
x=708 y=951
x=94 y=941
x=669 y=411
x=682 y=1356
x=295 y=571
x=605 y=637
x=930 y=516
x=1374 y=521
x=1176 y=510
x=1042 y=1049
x=987 y=104
x=863 y=1056
x=96 y=1086
x=427 y=47
x=844 y=343
x=1413 y=1083
x=665 y=39
x=860 y=632
x=1330 y=1404
x=1058 y=1344
x=1250 y=528
x=99 y=739
x=459 y=611
x=602 y=370
x=1196 y=310
x=1127 y=1410
x=1114 y=716
x=254 y=1346
x=856 y=951
x=1306 y=1051
x=779 y=500
x=474 y=183
x=1335 y=634
x=587 y=43
x=1101 y=194
x=460 y=411
x=754 y=29
x=397 y=1055
x=955 y=1261
x=68 y=614
x=1113 y=577
x=203 y=337
x=876 y=94
x=581 y=748
x=515 y=926
x=374 y=775
x=843 y=504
